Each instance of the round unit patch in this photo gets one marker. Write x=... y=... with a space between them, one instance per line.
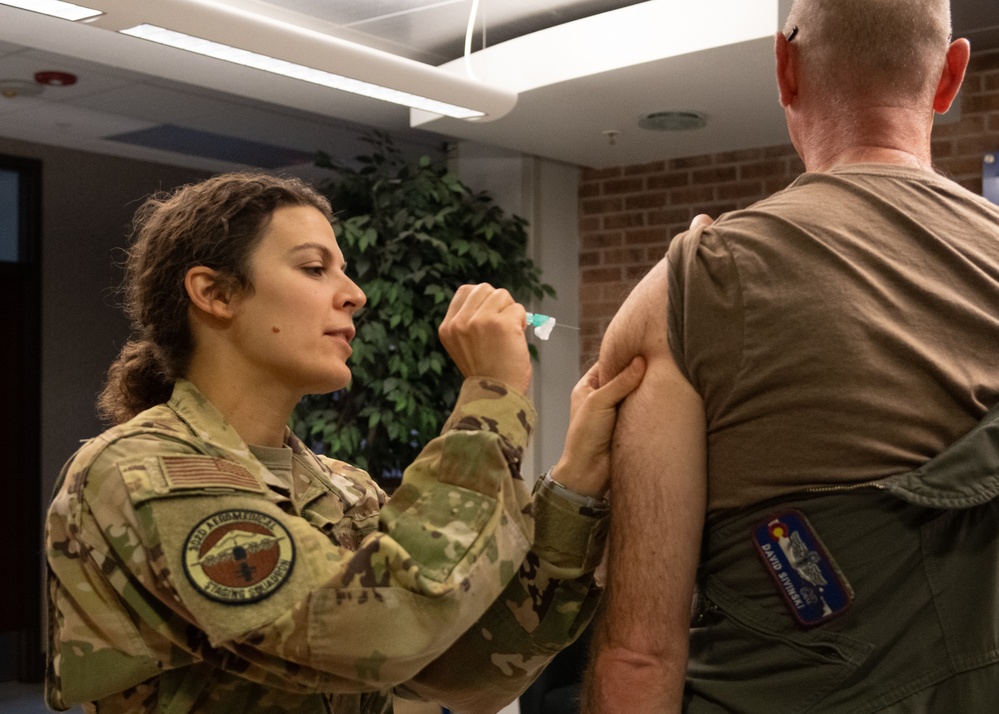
x=238 y=557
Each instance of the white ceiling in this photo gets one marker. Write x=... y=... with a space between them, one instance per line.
x=202 y=113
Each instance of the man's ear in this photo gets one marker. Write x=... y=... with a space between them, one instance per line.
x=787 y=70
x=207 y=292
x=952 y=75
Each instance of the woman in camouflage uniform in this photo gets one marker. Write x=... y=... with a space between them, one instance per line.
x=203 y=559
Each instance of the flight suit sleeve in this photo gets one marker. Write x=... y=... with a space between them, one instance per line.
x=291 y=607
x=543 y=609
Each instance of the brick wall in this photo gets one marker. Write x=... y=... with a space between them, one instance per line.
x=628 y=214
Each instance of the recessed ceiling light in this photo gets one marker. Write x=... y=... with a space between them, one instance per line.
x=55 y=8
x=11 y=88
x=673 y=121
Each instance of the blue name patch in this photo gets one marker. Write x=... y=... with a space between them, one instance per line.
x=806 y=575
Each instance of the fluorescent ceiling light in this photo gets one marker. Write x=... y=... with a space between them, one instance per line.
x=296 y=71
x=645 y=32
x=64 y=10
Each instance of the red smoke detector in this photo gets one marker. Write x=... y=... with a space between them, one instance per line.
x=55 y=79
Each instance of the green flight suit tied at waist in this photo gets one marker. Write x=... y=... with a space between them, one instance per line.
x=918 y=554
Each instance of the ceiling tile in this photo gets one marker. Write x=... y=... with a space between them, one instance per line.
x=156 y=104
x=56 y=121
x=7 y=48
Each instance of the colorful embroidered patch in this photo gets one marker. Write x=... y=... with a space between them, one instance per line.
x=207 y=472
x=806 y=575
x=238 y=557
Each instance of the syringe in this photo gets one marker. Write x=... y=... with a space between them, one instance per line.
x=543 y=325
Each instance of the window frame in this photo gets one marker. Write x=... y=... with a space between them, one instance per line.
x=29 y=188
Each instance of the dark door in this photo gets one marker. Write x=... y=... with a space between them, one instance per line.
x=20 y=413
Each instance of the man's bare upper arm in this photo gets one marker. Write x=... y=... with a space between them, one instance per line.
x=661 y=427
x=639 y=327
x=658 y=486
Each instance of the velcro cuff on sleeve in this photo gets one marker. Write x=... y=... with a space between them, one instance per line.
x=568 y=535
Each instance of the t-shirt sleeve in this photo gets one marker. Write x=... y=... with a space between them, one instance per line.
x=705 y=323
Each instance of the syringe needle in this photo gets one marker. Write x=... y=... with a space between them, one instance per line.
x=543 y=324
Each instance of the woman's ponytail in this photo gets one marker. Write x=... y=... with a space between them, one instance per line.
x=136 y=381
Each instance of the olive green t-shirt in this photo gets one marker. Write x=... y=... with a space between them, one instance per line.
x=842 y=330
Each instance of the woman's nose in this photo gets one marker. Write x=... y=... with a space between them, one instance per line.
x=353 y=296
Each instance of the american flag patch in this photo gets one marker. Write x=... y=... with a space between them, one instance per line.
x=207 y=471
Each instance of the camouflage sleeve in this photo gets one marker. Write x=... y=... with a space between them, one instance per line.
x=543 y=609
x=318 y=617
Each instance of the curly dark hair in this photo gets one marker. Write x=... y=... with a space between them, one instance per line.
x=216 y=223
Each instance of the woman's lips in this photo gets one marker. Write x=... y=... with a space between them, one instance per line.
x=345 y=335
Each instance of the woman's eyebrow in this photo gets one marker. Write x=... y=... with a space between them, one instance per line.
x=326 y=253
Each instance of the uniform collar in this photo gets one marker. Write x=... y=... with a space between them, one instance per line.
x=208 y=424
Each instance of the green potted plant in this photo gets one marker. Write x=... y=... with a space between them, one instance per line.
x=412 y=232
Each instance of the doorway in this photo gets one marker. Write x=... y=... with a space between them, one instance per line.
x=21 y=601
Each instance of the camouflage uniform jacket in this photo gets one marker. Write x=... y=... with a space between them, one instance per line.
x=187 y=576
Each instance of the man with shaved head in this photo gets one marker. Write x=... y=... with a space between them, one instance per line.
x=804 y=484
